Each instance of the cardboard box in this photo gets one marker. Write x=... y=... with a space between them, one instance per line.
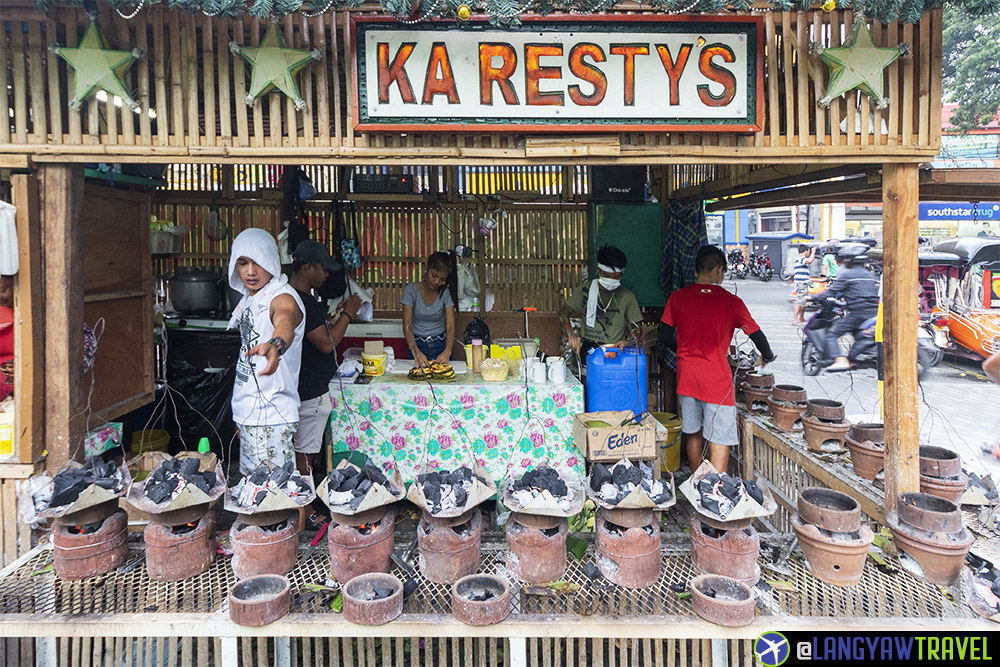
x=614 y=442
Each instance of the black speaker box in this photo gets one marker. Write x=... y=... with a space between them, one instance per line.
x=618 y=183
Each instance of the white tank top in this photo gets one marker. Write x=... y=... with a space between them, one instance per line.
x=266 y=400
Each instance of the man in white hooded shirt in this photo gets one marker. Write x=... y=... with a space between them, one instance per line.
x=271 y=322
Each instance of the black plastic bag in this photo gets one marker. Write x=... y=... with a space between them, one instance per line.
x=208 y=393
x=476 y=329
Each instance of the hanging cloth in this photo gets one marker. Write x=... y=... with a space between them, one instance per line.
x=8 y=240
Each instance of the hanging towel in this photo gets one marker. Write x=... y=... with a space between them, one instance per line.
x=8 y=240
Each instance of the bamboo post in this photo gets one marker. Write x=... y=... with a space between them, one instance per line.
x=176 y=81
x=62 y=203
x=894 y=95
x=225 y=88
x=142 y=40
x=189 y=41
x=802 y=76
x=835 y=28
x=29 y=350
x=123 y=36
x=900 y=198
x=4 y=53
x=924 y=91
x=20 y=80
x=291 y=137
x=773 y=109
x=39 y=130
x=160 y=81
x=786 y=63
x=908 y=92
x=208 y=77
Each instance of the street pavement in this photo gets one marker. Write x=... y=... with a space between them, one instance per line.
x=959 y=407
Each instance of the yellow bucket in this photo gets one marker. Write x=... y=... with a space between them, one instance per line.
x=155 y=440
x=670 y=451
x=373 y=364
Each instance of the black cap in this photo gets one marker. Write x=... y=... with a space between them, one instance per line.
x=309 y=252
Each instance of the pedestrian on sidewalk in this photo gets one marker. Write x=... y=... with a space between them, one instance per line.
x=800 y=277
x=700 y=321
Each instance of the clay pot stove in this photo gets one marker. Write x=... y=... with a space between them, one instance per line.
x=929 y=532
x=722 y=600
x=536 y=547
x=726 y=548
x=866 y=444
x=831 y=536
x=180 y=550
x=90 y=542
x=266 y=544
x=786 y=402
x=480 y=599
x=449 y=547
x=628 y=547
x=361 y=543
x=941 y=473
x=259 y=600
x=373 y=599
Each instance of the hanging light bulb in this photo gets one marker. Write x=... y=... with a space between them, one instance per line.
x=829 y=5
x=464 y=12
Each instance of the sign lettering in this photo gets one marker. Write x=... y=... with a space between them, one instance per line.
x=590 y=73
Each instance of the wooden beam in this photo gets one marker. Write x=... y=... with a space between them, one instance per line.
x=714 y=189
x=62 y=238
x=29 y=325
x=900 y=216
x=761 y=199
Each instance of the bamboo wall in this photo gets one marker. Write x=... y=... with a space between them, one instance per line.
x=535 y=251
x=191 y=88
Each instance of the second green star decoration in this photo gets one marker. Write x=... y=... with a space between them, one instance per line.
x=857 y=64
x=275 y=66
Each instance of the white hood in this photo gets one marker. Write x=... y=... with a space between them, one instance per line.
x=258 y=245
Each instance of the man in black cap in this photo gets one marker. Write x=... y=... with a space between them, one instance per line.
x=310 y=266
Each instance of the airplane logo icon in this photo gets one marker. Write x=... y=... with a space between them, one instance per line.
x=772 y=649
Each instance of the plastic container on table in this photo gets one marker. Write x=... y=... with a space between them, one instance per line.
x=616 y=380
x=670 y=450
x=6 y=433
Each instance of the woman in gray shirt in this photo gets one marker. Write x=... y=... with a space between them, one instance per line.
x=429 y=313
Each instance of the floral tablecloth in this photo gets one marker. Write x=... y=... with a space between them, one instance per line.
x=504 y=426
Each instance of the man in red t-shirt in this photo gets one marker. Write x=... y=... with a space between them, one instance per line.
x=703 y=317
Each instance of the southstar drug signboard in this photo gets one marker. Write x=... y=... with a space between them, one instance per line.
x=579 y=73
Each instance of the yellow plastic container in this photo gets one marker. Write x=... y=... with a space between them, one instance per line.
x=670 y=450
x=373 y=364
x=155 y=440
x=6 y=433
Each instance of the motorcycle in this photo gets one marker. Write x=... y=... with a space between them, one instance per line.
x=859 y=347
x=760 y=266
x=737 y=263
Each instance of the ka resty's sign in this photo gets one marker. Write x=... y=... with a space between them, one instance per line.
x=575 y=73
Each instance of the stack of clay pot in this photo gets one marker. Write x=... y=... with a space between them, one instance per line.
x=787 y=401
x=941 y=473
x=866 y=443
x=824 y=425
x=929 y=531
x=757 y=388
x=831 y=536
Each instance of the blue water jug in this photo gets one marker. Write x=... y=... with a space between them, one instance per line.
x=616 y=380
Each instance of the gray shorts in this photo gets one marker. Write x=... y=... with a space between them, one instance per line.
x=313 y=417
x=716 y=422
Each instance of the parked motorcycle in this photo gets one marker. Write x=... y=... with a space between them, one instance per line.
x=737 y=263
x=858 y=347
x=760 y=265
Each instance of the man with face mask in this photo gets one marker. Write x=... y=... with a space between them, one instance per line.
x=608 y=309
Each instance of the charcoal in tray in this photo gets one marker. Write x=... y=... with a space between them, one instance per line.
x=995 y=587
x=356 y=502
x=160 y=491
x=432 y=477
x=374 y=475
x=599 y=476
x=754 y=491
x=189 y=468
x=259 y=498
x=200 y=482
x=663 y=497
x=461 y=496
x=432 y=492
x=362 y=488
x=730 y=487
x=349 y=483
x=279 y=476
x=67 y=487
x=710 y=504
x=259 y=476
x=707 y=483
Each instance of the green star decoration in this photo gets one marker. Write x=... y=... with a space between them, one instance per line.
x=275 y=66
x=857 y=64
x=95 y=65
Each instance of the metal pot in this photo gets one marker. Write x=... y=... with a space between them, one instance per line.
x=194 y=290
x=230 y=296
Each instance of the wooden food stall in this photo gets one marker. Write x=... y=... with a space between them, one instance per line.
x=357 y=103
